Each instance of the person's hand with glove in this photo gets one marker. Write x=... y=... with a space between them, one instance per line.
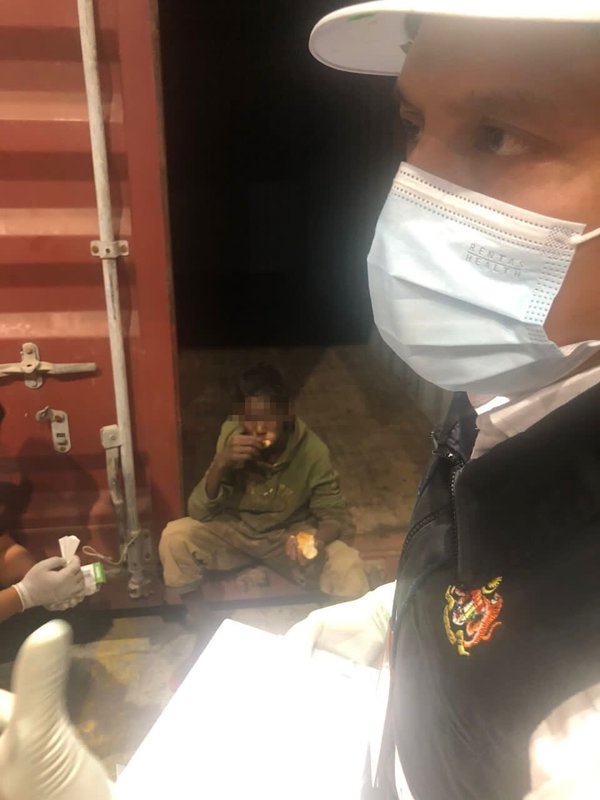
x=356 y=630
x=52 y=583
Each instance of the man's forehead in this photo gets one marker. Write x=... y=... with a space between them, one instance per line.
x=260 y=408
x=500 y=66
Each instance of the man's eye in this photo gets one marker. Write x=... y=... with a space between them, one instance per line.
x=412 y=130
x=501 y=142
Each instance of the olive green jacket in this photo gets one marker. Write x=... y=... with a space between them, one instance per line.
x=301 y=485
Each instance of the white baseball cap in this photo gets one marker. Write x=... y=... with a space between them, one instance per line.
x=370 y=37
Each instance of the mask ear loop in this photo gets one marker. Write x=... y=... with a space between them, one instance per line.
x=578 y=238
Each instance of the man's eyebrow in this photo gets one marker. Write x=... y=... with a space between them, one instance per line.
x=513 y=103
x=517 y=103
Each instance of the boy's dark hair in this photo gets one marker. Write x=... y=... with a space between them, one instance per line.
x=263 y=380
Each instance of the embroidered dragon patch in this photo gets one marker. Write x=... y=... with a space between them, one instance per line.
x=471 y=616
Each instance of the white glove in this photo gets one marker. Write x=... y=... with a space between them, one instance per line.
x=7 y=704
x=66 y=604
x=356 y=630
x=50 y=581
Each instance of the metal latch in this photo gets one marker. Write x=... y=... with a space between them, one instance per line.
x=59 y=425
x=110 y=437
x=34 y=370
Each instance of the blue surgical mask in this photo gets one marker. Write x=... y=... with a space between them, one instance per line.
x=462 y=284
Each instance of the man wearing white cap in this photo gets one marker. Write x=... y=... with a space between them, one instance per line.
x=485 y=278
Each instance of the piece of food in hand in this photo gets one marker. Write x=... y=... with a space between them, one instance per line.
x=267 y=443
x=306 y=545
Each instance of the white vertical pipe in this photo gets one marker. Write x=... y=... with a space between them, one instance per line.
x=87 y=31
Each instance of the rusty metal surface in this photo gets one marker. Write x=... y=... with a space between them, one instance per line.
x=51 y=287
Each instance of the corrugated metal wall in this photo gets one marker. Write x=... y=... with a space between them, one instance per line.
x=51 y=287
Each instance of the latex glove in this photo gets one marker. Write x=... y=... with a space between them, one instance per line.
x=66 y=604
x=7 y=704
x=51 y=581
x=41 y=754
x=356 y=630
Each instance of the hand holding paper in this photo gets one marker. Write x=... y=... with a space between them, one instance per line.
x=93 y=574
x=68 y=547
x=60 y=583
x=51 y=581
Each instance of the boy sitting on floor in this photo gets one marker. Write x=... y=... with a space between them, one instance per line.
x=270 y=480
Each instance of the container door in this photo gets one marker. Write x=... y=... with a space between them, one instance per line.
x=56 y=383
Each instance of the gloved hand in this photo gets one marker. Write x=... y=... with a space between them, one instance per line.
x=51 y=581
x=356 y=630
x=66 y=604
x=7 y=703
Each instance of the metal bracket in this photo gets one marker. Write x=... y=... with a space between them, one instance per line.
x=110 y=436
x=109 y=249
x=140 y=555
x=35 y=370
x=140 y=562
x=59 y=425
x=30 y=358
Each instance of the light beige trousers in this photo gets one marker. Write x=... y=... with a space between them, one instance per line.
x=188 y=548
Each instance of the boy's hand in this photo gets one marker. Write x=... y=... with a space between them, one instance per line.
x=293 y=552
x=239 y=450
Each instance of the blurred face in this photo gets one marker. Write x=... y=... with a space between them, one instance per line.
x=512 y=110
x=264 y=419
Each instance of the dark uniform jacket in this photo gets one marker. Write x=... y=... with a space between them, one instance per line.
x=497 y=609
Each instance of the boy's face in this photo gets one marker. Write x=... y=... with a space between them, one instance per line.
x=264 y=419
x=512 y=110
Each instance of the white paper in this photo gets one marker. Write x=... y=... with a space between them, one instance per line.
x=252 y=720
x=68 y=546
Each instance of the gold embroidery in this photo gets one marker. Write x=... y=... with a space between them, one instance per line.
x=471 y=616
